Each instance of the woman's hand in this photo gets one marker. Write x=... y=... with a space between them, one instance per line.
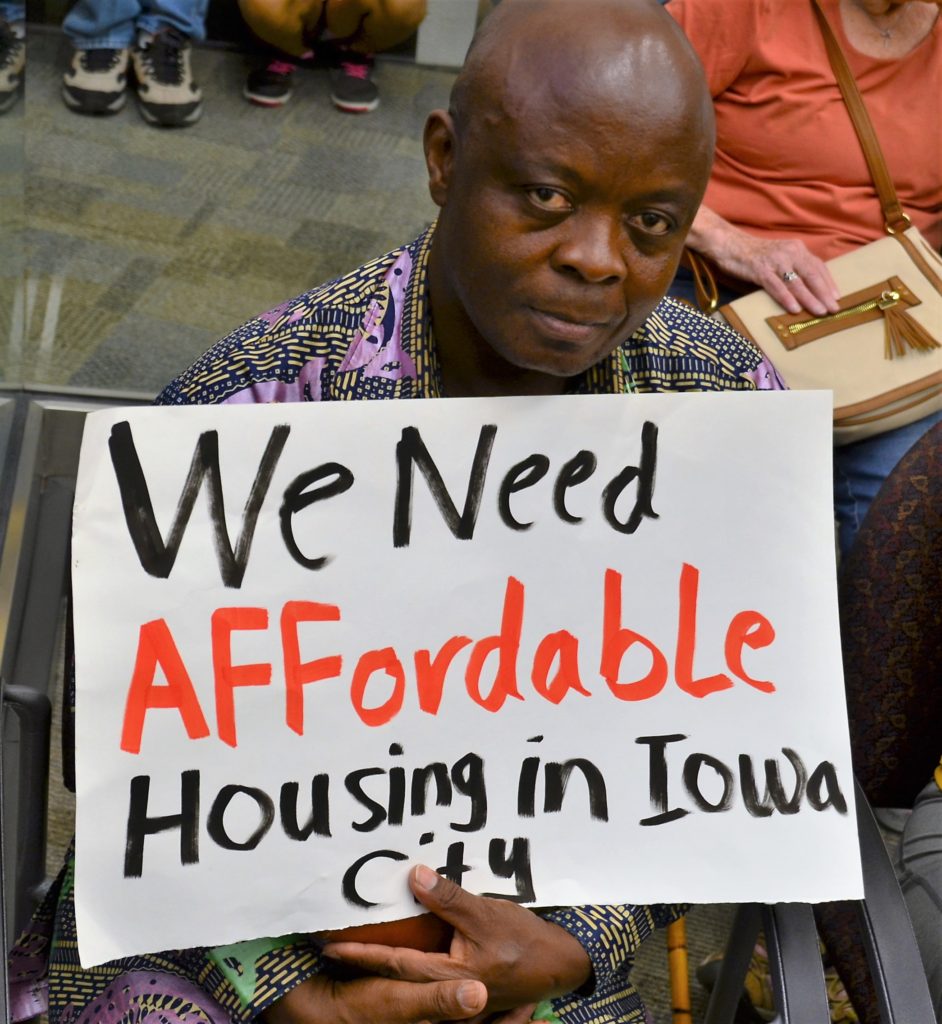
x=784 y=267
x=521 y=958
x=320 y=1000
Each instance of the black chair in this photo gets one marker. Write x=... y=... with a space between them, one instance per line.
x=40 y=436
x=891 y=625
x=797 y=970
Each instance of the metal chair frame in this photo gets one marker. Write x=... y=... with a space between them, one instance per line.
x=40 y=436
x=795 y=961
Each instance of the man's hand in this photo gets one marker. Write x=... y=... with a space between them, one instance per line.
x=320 y=1000
x=521 y=958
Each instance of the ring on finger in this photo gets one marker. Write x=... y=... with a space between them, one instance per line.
x=789 y=275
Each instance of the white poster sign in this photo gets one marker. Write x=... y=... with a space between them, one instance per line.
x=565 y=650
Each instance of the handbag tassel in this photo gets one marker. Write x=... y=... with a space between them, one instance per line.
x=901 y=330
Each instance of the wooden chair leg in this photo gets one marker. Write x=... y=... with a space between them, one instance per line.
x=679 y=972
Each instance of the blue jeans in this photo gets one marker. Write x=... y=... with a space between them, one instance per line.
x=861 y=468
x=113 y=24
x=682 y=287
x=10 y=12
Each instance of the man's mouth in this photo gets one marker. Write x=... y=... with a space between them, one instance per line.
x=570 y=327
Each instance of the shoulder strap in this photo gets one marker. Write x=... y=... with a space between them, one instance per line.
x=896 y=220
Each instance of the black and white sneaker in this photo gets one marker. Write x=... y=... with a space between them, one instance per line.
x=166 y=93
x=352 y=88
x=271 y=85
x=12 y=63
x=96 y=82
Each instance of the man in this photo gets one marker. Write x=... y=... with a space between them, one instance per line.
x=567 y=171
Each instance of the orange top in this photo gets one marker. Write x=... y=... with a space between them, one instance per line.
x=788 y=162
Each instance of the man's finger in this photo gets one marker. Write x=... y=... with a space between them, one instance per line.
x=393 y=961
x=378 y=1001
x=406 y=1003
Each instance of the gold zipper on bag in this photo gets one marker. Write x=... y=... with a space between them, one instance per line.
x=886 y=299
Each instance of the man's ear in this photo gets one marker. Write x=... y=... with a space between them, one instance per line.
x=440 y=143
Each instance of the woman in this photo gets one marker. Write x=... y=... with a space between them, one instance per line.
x=790 y=187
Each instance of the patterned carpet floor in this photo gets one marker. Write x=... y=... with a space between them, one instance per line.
x=144 y=246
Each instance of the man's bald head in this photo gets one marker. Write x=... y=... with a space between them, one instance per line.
x=630 y=52
x=567 y=172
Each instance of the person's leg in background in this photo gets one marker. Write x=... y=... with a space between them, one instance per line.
x=920 y=873
x=860 y=469
x=12 y=52
x=361 y=29
x=167 y=93
x=101 y=32
x=356 y=29
x=890 y=596
x=684 y=288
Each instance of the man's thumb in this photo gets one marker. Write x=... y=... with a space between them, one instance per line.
x=449 y=1000
x=445 y=899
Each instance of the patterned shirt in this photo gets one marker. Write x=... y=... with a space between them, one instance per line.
x=363 y=336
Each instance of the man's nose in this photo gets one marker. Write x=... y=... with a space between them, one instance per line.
x=592 y=248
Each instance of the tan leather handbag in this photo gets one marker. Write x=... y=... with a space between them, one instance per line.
x=881 y=353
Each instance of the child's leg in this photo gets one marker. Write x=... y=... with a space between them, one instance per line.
x=366 y=26
x=283 y=24
x=357 y=29
x=369 y=26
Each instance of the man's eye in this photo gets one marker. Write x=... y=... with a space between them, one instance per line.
x=653 y=223
x=547 y=198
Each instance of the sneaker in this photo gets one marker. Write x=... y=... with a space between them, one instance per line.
x=97 y=81
x=352 y=88
x=166 y=93
x=12 y=63
x=271 y=85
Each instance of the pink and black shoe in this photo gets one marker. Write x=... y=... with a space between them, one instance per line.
x=271 y=85
x=352 y=88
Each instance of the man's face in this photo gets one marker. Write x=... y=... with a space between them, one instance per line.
x=562 y=224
